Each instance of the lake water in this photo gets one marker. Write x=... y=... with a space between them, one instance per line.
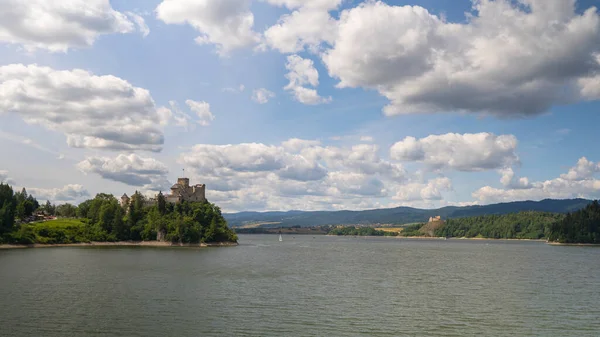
x=304 y=286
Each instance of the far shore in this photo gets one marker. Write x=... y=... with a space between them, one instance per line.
x=438 y=238
x=574 y=244
x=121 y=244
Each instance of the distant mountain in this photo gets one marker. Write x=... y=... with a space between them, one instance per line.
x=398 y=215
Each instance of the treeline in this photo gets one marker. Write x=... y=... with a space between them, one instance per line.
x=187 y=222
x=360 y=231
x=522 y=225
x=104 y=219
x=13 y=207
x=582 y=226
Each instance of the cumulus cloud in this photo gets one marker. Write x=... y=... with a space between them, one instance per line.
x=300 y=172
x=61 y=25
x=301 y=72
x=262 y=95
x=579 y=182
x=131 y=169
x=584 y=169
x=225 y=23
x=308 y=26
x=202 y=110
x=430 y=190
x=72 y=193
x=462 y=152
x=92 y=111
x=509 y=179
x=508 y=59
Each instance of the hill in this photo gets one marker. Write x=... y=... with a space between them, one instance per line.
x=396 y=216
x=582 y=226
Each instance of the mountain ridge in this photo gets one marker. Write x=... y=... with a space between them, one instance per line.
x=397 y=215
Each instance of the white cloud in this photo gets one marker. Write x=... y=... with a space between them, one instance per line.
x=584 y=169
x=73 y=193
x=92 y=111
x=202 y=110
x=509 y=179
x=140 y=22
x=579 y=182
x=233 y=90
x=508 y=59
x=431 y=190
x=59 y=25
x=319 y=4
x=301 y=73
x=177 y=116
x=462 y=152
x=5 y=179
x=224 y=23
x=262 y=95
x=306 y=27
x=129 y=169
x=296 y=173
x=366 y=139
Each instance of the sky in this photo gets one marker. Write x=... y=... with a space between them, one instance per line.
x=302 y=104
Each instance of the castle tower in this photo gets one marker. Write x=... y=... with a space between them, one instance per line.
x=125 y=200
x=185 y=182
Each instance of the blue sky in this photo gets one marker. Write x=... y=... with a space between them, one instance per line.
x=500 y=100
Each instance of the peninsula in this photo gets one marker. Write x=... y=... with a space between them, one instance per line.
x=182 y=218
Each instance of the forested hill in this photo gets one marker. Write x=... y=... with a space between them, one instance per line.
x=582 y=226
x=398 y=215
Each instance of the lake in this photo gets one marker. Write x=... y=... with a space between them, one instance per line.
x=304 y=286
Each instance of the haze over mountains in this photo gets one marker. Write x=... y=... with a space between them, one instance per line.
x=398 y=215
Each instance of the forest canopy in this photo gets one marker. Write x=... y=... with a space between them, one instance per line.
x=104 y=219
x=582 y=226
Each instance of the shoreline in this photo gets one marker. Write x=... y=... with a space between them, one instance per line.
x=574 y=244
x=121 y=244
x=437 y=238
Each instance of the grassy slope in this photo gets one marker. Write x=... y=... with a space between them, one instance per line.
x=59 y=231
x=58 y=223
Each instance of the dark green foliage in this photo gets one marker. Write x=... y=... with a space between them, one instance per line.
x=66 y=211
x=360 y=231
x=105 y=220
x=161 y=203
x=7 y=209
x=412 y=230
x=25 y=204
x=23 y=235
x=582 y=226
x=523 y=225
x=49 y=208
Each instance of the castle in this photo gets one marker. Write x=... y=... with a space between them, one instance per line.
x=181 y=191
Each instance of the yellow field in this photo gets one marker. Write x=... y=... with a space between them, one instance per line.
x=390 y=229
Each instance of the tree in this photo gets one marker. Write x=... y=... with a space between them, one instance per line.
x=161 y=203
x=49 y=208
x=106 y=217
x=119 y=227
x=66 y=210
x=7 y=208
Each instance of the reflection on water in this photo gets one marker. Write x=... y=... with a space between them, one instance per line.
x=305 y=285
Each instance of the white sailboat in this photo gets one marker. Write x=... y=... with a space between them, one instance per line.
x=280 y=238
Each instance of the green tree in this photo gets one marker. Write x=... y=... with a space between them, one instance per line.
x=161 y=203
x=7 y=208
